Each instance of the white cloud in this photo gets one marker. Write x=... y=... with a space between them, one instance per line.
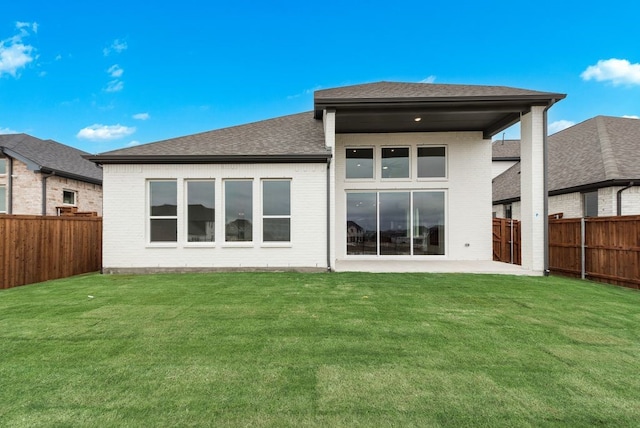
x=14 y=53
x=631 y=116
x=141 y=116
x=58 y=57
x=618 y=71
x=133 y=143
x=99 y=132
x=115 y=71
x=559 y=125
x=7 y=131
x=116 y=46
x=114 y=86
x=429 y=79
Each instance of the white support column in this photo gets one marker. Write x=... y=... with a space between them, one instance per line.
x=329 y=122
x=532 y=189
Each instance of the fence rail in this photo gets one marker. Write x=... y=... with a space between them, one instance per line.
x=40 y=248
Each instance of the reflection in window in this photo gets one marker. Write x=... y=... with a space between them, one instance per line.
x=428 y=223
x=361 y=223
x=276 y=210
x=3 y=166
x=3 y=199
x=395 y=162
x=432 y=162
x=590 y=204
x=238 y=210
x=201 y=212
x=163 y=200
x=359 y=163
x=394 y=212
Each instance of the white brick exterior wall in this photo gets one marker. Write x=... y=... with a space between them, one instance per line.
x=467 y=189
x=126 y=241
x=27 y=192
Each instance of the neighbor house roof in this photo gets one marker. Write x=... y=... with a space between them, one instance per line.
x=439 y=107
x=506 y=150
x=48 y=156
x=285 y=139
x=599 y=152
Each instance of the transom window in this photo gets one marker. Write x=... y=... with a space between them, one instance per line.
x=163 y=211
x=201 y=213
x=238 y=210
x=395 y=223
x=276 y=210
x=432 y=162
x=395 y=162
x=68 y=197
x=359 y=163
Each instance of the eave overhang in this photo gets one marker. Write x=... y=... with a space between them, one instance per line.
x=208 y=159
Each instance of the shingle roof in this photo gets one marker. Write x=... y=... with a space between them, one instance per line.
x=52 y=156
x=293 y=135
x=390 y=90
x=599 y=150
x=506 y=149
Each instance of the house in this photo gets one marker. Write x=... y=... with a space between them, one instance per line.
x=43 y=177
x=593 y=170
x=377 y=176
x=505 y=154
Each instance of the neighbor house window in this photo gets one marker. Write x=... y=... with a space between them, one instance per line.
x=3 y=166
x=238 y=210
x=68 y=197
x=276 y=210
x=395 y=162
x=590 y=202
x=3 y=199
x=359 y=163
x=432 y=162
x=395 y=223
x=163 y=211
x=201 y=213
x=508 y=211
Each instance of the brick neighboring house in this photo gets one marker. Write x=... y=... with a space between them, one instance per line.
x=593 y=170
x=39 y=177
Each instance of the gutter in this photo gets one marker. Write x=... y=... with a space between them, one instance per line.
x=619 y=197
x=329 y=214
x=10 y=185
x=44 y=191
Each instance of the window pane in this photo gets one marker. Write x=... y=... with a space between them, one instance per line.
x=394 y=223
x=395 y=163
x=276 y=229
x=164 y=230
x=68 y=197
x=201 y=211
x=3 y=199
x=591 y=204
x=359 y=163
x=428 y=223
x=361 y=223
x=431 y=162
x=275 y=197
x=238 y=209
x=3 y=166
x=164 y=197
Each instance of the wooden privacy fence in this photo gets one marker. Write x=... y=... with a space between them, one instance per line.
x=506 y=240
x=40 y=248
x=605 y=249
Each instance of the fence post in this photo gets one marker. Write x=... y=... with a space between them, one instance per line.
x=511 y=241
x=582 y=248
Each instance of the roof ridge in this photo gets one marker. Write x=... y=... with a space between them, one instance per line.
x=608 y=157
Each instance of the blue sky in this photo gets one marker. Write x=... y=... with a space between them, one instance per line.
x=105 y=75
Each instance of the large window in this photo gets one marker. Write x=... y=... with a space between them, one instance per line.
x=163 y=211
x=395 y=162
x=432 y=162
x=359 y=163
x=201 y=214
x=590 y=204
x=3 y=166
x=238 y=210
x=276 y=210
x=395 y=223
x=3 y=199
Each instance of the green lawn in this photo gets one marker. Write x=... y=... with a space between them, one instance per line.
x=287 y=349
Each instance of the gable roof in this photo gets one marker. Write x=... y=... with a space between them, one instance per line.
x=282 y=139
x=49 y=156
x=393 y=106
x=505 y=150
x=599 y=152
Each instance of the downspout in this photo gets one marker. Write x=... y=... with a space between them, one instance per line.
x=44 y=191
x=619 y=197
x=10 y=186
x=328 y=214
x=545 y=186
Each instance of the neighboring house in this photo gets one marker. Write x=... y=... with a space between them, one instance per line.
x=375 y=175
x=41 y=177
x=593 y=170
x=506 y=153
